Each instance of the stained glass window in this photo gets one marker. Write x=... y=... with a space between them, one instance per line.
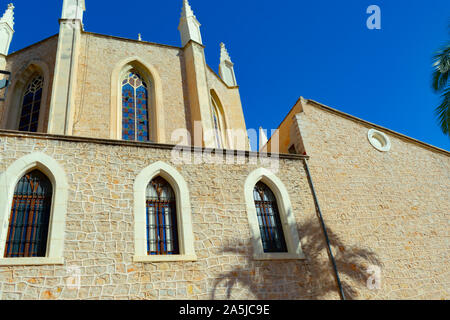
x=162 y=238
x=30 y=215
x=135 y=116
x=217 y=125
x=271 y=230
x=31 y=105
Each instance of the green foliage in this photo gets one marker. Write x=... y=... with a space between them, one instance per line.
x=442 y=69
x=440 y=84
x=443 y=112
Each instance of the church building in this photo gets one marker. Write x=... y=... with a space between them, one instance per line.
x=126 y=173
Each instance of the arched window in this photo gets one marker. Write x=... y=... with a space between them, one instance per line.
x=135 y=113
x=30 y=215
x=218 y=120
x=162 y=216
x=162 y=227
x=270 y=226
x=217 y=126
x=31 y=105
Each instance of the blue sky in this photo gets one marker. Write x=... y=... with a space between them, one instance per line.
x=321 y=50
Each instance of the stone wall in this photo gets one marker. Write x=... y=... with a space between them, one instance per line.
x=394 y=204
x=99 y=235
x=99 y=56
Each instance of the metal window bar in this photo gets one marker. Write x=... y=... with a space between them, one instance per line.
x=162 y=238
x=29 y=219
x=270 y=226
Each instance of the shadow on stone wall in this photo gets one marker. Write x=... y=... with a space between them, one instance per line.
x=312 y=278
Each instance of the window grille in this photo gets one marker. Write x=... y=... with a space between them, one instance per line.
x=31 y=105
x=162 y=238
x=30 y=215
x=270 y=226
x=135 y=117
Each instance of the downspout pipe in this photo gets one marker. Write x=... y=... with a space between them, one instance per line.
x=324 y=228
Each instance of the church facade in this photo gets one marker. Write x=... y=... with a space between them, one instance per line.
x=126 y=173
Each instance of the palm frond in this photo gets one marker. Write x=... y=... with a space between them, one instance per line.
x=441 y=68
x=443 y=112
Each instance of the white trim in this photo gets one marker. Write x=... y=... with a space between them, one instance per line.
x=286 y=216
x=31 y=261
x=14 y=101
x=216 y=105
x=374 y=137
x=184 y=217
x=168 y=258
x=57 y=223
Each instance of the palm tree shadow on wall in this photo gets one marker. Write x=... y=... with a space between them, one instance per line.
x=312 y=278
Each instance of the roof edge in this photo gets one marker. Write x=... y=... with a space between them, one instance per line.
x=367 y=123
x=32 y=45
x=220 y=79
x=131 y=40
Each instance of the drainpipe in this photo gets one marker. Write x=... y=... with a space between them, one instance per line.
x=324 y=228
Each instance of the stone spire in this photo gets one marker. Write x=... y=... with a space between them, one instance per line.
x=186 y=11
x=226 y=67
x=8 y=16
x=224 y=55
x=189 y=26
x=6 y=29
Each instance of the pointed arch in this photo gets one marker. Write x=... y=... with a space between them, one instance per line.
x=219 y=121
x=30 y=215
x=286 y=214
x=151 y=77
x=15 y=99
x=57 y=177
x=183 y=213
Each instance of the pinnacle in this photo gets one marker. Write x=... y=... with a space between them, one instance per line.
x=224 y=55
x=187 y=10
x=8 y=16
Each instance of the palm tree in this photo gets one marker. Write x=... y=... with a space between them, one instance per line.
x=441 y=85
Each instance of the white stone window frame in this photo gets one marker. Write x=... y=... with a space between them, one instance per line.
x=217 y=108
x=57 y=222
x=286 y=212
x=184 y=215
x=374 y=141
x=14 y=99
x=155 y=97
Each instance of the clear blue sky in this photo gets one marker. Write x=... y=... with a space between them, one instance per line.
x=321 y=50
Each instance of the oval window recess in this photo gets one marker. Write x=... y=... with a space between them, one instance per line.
x=379 y=140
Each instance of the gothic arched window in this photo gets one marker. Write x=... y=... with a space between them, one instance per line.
x=30 y=215
x=135 y=113
x=31 y=105
x=218 y=122
x=270 y=226
x=162 y=230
